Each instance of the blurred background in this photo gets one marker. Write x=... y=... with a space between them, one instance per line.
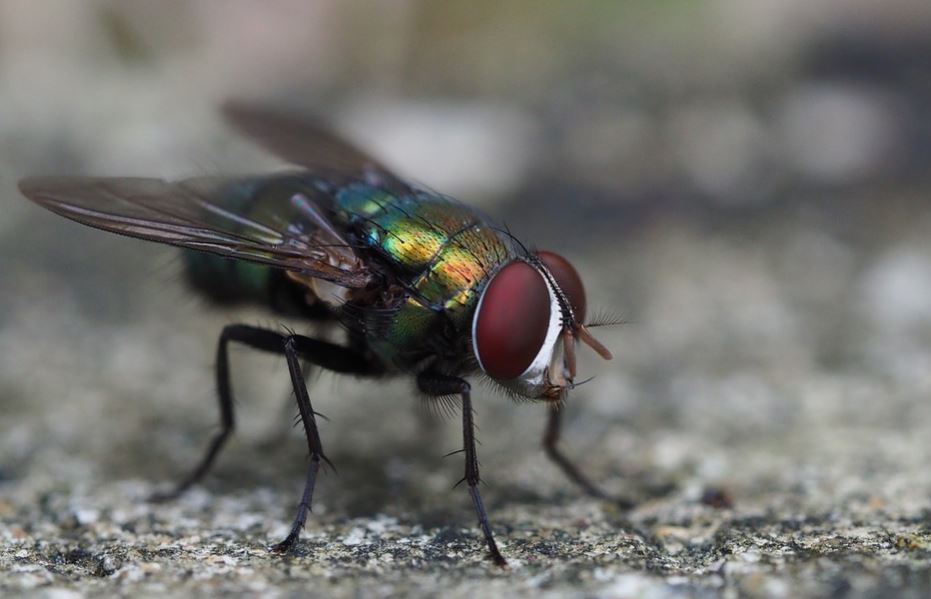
x=746 y=183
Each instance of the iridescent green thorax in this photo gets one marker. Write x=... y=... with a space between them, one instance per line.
x=444 y=250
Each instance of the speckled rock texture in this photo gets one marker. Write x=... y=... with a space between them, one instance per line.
x=768 y=410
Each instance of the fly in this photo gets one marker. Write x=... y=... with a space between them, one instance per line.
x=423 y=285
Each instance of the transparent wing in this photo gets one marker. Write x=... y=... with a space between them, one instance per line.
x=273 y=221
x=304 y=142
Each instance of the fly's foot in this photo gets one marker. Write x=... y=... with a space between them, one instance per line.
x=286 y=545
x=166 y=496
x=625 y=504
x=498 y=559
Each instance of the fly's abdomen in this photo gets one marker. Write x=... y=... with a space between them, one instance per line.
x=258 y=201
x=231 y=282
x=225 y=281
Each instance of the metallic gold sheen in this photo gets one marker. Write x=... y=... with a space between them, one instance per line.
x=446 y=250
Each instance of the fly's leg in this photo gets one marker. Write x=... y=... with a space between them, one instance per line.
x=330 y=357
x=294 y=347
x=550 y=445
x=227 y=419
x=313 y=444
x=439 y=385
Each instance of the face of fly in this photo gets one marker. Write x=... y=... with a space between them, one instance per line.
x=527 y=324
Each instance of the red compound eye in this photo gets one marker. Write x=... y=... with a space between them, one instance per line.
x=568 y=280
x=512 y=321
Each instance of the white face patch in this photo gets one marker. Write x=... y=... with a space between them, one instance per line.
x=534 y=378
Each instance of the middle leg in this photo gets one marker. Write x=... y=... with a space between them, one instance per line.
x=551 y=446
x=313 y=444
x=331 y=357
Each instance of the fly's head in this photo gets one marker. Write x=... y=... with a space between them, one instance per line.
x=527 y=324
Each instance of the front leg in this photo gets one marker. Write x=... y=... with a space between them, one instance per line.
x=551 y=446
x=438 y=385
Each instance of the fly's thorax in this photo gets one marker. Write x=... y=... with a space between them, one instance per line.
x=440 y=252
x=413 y=231
x=434 y=314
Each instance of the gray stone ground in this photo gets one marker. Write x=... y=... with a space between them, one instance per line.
x=761 y=220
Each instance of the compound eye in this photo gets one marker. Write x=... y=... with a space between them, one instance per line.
x=511 y=321
x=568 y=280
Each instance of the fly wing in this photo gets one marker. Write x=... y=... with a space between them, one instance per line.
x=234 y=218
x=304 y=142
